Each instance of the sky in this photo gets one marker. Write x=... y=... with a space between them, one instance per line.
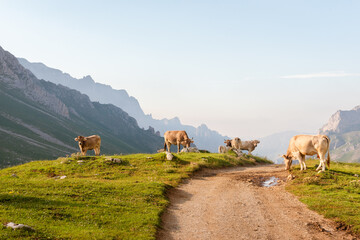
x=244 y=68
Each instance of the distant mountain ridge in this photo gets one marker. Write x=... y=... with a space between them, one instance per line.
x=39 y=120
x=343 y=128
x=204 y=137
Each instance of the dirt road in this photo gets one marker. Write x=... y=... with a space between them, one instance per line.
x=233 y=204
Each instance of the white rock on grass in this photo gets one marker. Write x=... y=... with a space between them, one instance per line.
x=169 y=156
x=18 y=226
x=190 y=149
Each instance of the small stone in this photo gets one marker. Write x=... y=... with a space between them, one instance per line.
x=169 y=156
x=356 y=175
x=62 y=177
x=14 y=175
x=18 y=226
x=290 y=177
x=116 y=160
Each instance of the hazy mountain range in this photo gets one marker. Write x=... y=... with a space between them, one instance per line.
x=204 y=137
x=39 y=119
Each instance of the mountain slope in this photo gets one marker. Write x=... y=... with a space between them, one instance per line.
x=39 y=119
x=204 y=137
x=343 y=128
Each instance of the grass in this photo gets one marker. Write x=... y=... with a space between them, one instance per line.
x=335 y=193
x=100 y=198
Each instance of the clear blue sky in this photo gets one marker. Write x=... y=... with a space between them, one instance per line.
x=244 y=68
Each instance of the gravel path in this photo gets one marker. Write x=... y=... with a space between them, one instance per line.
x=233 y=204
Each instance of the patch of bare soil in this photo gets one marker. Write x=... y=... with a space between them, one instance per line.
x=234 y=204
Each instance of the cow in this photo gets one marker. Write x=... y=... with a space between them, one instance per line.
x=224 y=149
x=249 y=145
x=236 y=143
x=302 y=145
x=227 y=142
x=176 y=138
x=89 y=143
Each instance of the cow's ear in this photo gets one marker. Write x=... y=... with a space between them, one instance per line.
x=284 y=156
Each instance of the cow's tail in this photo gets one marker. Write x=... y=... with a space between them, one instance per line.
x=328 y=157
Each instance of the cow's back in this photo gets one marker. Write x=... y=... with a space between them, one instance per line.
x=93 y=141
x=308 y=144
x=174 y=136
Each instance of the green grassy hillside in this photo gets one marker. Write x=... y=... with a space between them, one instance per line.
x=99 y=198
x=334 y=193
x=28 y=131
x=347 y=147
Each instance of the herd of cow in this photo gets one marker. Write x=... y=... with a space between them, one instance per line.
x=299 y=146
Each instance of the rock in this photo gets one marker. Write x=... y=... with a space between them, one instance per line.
x=160 y=150
x=238 y=152
x=19 y=226
x=62 y=177
x=290 y=177
x=356 y=175
x=169 y=156
x=190 y=149
x=149 y=158
x=117 y=160
x=14 y=175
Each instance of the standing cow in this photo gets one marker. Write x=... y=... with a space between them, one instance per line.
x=89 y=143
x=176 y=138
x=249 y=145
x=302 y=145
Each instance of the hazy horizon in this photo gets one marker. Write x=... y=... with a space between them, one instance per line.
x=243 y=68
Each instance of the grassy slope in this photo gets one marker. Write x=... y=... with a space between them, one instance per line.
x=98 y=199
x=334 y=194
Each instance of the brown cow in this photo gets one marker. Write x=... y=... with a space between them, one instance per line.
x=302 y=145
x=89 y=143
x=176 y=138
x=249 y=145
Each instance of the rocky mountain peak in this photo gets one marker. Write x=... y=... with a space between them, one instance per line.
x=343 y=121
x=15 y=76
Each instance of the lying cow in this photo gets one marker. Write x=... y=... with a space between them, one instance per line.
x=227 y=143
x=302 y=145
x=176 y=138
x=249 y=145
x=224 y=149
x=89 y=143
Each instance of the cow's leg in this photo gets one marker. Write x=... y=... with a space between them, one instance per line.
x=97 y=151
x=322 y=163
x=168 y=146
x=178 y=145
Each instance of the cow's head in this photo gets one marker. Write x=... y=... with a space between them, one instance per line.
x=81 y=140
x=255 y=142
x=287 y=161
x=227 y=143
x=188 y=142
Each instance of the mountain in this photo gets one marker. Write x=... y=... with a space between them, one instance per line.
x=204 y=137
x=39 y=119
x=343 y=128
x=274 y=146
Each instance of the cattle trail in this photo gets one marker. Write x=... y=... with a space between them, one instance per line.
x=233 y=204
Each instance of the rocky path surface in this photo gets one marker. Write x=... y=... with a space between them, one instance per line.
x=233 y=204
